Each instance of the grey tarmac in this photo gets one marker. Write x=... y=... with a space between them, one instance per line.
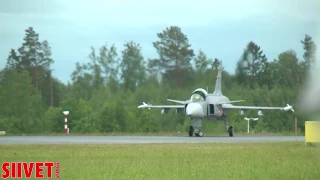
x=141 y=139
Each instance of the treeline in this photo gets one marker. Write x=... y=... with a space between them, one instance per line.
x=105 y=92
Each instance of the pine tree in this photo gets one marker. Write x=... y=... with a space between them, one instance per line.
x=310 y=51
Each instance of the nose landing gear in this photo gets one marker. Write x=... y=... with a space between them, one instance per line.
x=196 y=132
x=199 y=134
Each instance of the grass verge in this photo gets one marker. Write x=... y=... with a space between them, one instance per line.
x=175 y=161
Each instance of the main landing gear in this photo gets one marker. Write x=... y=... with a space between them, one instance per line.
x=228 y=128
x=199 y=133
x=196 y=132
x=196 y=125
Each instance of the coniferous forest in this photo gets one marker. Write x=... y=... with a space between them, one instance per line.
x=105 y=92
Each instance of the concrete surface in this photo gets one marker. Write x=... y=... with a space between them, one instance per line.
x=140 y=139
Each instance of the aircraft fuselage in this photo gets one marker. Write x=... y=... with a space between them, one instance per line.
x=214 y=110
x=209 y=108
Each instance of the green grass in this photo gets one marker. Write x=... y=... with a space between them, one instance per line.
x=175 y=161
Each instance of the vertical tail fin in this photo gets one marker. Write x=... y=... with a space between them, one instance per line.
x=217 y=90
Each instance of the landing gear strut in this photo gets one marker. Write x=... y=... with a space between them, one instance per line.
x=228 y=128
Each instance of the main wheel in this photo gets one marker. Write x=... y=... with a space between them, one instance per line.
x=190 y=131
x=200 y=133
x=230 y=130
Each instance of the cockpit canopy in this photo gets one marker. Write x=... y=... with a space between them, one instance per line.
x=196 y=97
x=199 y=95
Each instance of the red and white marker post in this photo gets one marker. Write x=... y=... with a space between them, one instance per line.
x=66 y=129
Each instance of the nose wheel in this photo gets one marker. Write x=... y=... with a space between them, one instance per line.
x=196 y=132
x=199 y=134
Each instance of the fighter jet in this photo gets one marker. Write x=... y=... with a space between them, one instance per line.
x=204 y=105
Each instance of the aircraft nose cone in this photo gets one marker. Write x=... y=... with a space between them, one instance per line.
x=194 y=110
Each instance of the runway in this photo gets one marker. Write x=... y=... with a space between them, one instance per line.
x=140 y=139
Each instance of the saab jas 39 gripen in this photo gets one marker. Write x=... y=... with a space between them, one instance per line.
x=210 y=106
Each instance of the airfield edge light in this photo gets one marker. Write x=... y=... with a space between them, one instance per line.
x=248 y=124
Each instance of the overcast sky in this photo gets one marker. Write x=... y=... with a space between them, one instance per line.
x=221 y=28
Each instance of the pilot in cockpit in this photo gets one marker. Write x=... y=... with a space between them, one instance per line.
x=196 y=98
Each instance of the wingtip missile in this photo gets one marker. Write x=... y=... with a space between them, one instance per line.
x=288 y=107
x=144 y=105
